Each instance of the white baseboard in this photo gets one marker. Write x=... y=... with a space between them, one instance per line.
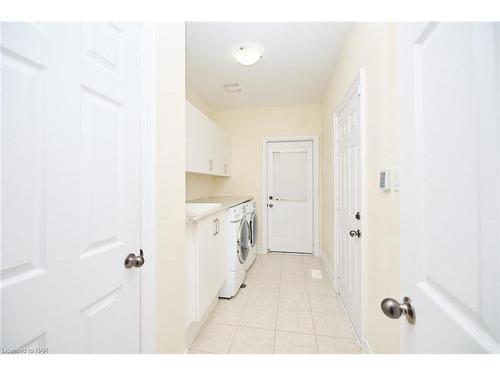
x=330 y=271
x=194 y=327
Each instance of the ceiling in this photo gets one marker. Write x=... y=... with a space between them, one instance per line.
x=297 y=62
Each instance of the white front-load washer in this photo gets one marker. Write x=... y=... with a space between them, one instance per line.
x=253 y=228
x=238 y=249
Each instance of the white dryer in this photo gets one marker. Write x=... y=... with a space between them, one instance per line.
x=253 y=227
x=238 y=249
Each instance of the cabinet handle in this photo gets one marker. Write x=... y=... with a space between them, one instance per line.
x=211 y=165
x=215 y=224
x=218 y=225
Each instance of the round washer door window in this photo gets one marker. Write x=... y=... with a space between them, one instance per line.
x=243 y=242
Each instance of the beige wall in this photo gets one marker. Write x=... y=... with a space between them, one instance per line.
x=197 y=185
x=195 y=99
x=372 y=47
x=247 y=129
x=170 y=165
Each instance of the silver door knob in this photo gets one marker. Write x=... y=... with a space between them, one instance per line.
x=393 y=309
x=133 y=260
x=355 y=233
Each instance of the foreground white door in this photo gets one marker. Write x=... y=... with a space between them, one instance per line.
x=450 y=187
x=70 y=185
x=290 y=196
x=348 y=160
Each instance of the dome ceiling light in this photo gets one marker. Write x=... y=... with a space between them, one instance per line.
x=247 y=55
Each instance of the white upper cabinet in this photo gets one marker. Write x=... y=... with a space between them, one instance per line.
x=207 y=145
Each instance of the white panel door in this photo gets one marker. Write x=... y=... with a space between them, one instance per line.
x=70 y=182
x=450 y=186
x=348 y=174
x=290 y=196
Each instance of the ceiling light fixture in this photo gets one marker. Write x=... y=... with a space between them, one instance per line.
x=247 y=55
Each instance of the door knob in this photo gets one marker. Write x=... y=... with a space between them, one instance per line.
x=393 y=309
x=271 y=197
x=139 y=260
x=133 y=260
x=355 y=233
x=270 y=205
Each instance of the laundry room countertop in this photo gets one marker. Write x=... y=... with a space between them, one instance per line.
x=226 y=202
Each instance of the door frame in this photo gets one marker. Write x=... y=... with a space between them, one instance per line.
x=148 y=190
x=315 y=143
x=358 y=81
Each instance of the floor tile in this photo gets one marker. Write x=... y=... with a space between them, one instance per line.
x=240 y=298
x=292 y=260
x=329 y=304
x=320 y=274
x=294 y=301
x=293 y=274
x=336 y=345
x=227 y=313
x=252 y=341
x=320 y=288
x=263 y=299
x=294 y=343
x=259 y=317
x=311 y=261
x=262 y=285
x=295 y=321
x=275 y=260
x=265 y=272
x=214 y=338
x=331 y=324
x=293 y=286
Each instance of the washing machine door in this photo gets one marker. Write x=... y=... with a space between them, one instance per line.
x=243 y=241
x=253 y=229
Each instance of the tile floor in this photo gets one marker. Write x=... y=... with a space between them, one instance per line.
x=282 y=310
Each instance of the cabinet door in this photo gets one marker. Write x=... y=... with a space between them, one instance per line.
x=208 y=264
x=198 y=144
x=220 y=252
x=221 y=154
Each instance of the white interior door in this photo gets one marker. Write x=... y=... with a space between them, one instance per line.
x=450 y=186
x=70 y=183
x=290 y=196
x=348 y=133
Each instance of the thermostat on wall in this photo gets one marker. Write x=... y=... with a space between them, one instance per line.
x=385 y=179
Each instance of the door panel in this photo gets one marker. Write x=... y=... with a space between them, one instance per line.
x=349 y=203
x=290 y=219
x=70 y=186
x=450 y=207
